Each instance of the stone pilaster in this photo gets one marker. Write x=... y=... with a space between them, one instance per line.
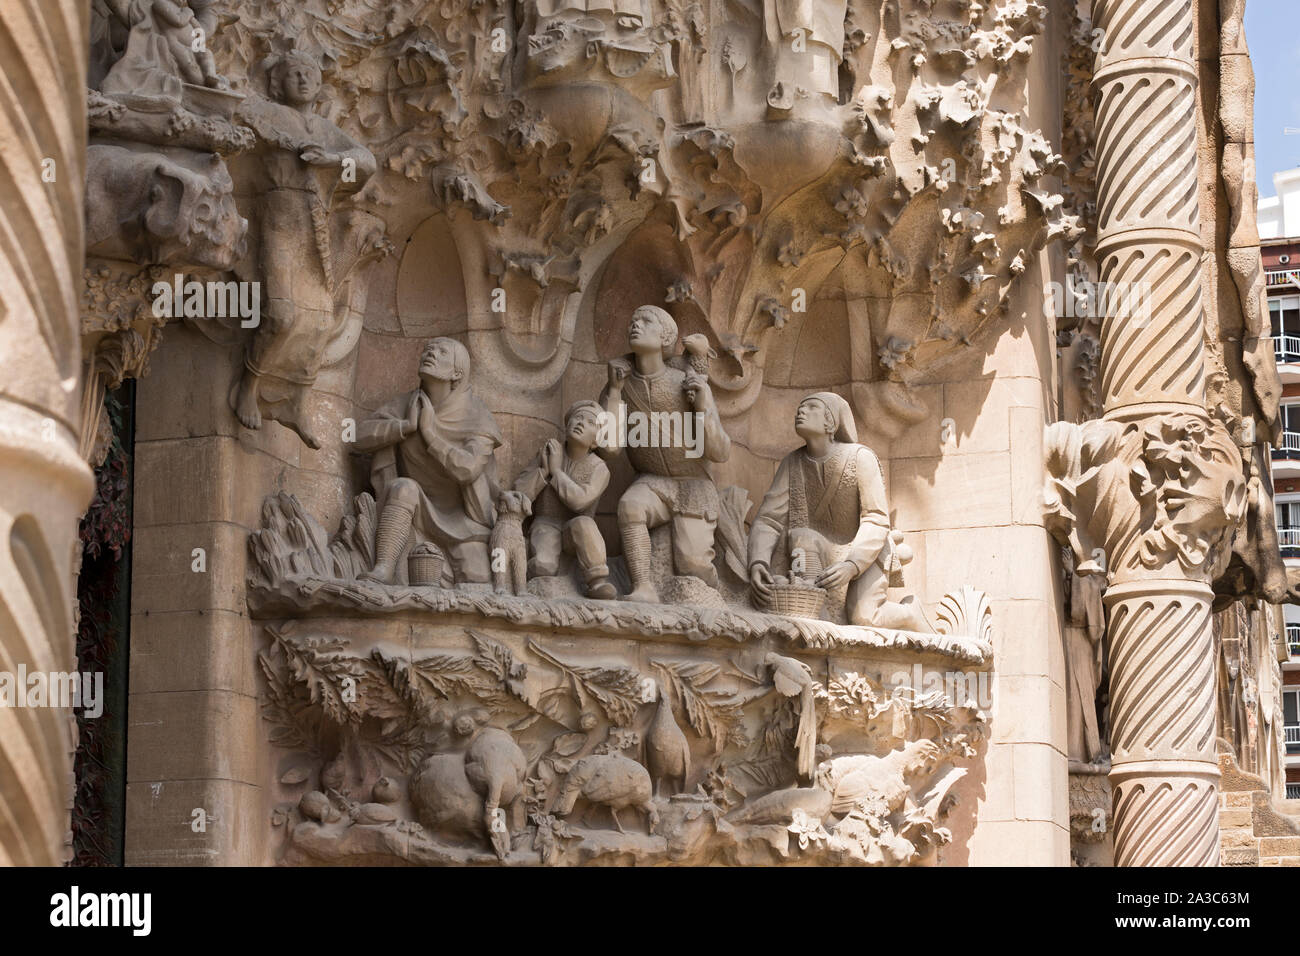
x=44 y=483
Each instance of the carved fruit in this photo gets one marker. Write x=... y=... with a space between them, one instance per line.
x=314 y=805
x=294 y=776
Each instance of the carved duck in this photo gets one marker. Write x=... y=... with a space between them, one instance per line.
x=667 y=753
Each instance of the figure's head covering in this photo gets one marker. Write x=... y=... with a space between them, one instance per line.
x=459 y=358
x=845 y=430
x=276 y=65
x=585 y=405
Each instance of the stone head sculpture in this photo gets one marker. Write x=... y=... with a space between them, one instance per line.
x=652 y=328
x=825 y=413
x=445 y=360
x=294 y=79
x=1199 y=485
x=582 y=422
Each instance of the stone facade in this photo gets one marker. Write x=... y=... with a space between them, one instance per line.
x=652 y=431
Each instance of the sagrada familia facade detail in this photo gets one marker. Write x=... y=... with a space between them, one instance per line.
x=559 y=432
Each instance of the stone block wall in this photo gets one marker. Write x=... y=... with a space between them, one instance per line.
x=1254 y=831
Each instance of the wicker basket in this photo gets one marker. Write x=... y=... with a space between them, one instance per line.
x=797 y=600
x=424 y=566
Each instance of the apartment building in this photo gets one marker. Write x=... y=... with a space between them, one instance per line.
x=1279 y=231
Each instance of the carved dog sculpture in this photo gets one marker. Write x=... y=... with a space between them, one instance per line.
x=506 y=545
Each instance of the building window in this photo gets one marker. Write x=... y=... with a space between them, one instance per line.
x=1288 y=528
x=1289 y=445
x=1291 y=720
x=1284 y=317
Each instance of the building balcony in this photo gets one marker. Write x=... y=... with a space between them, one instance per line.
x=1286 y=456
x=1286 y=348
x=1282 y=277
x=1292 y=732
x=1293 y=791
x=1288 y=446
x=1293 y=639
x=1288 y=539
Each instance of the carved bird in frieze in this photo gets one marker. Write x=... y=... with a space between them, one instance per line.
x=667 y=752
x=612 y=780
x=880 y=785
x=794 y=678
x=334 y=773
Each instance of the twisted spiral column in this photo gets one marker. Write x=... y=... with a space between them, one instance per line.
x=1148 y=234
x=1164 y=775
x=1162 y=724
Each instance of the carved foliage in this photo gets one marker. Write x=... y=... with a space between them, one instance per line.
x=357 y=724
x=1134 y=499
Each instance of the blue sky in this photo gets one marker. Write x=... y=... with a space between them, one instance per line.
x=1273 y=32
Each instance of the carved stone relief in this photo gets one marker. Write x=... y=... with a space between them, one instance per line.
x=705 y=175
x=488 y=743
x=515 y=729
x=606 y=331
